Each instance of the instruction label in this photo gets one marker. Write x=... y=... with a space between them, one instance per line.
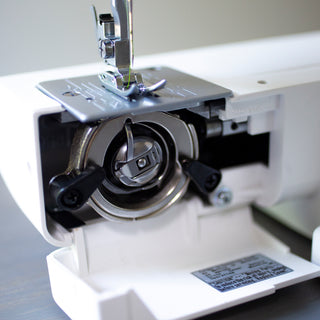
x=242 y=272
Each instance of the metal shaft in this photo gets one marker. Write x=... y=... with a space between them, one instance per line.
x=122 y=13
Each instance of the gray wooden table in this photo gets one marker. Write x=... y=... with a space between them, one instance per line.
x=25 y=289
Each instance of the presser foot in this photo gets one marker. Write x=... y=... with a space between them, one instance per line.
x=128 y=86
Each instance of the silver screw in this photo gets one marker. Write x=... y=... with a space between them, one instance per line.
x=142 y=162
x=222 y=197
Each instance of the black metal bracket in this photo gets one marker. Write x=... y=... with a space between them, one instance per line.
x=72 y=191
x=204 y=178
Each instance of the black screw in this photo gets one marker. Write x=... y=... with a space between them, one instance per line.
x=71 y=199
x=211 y=182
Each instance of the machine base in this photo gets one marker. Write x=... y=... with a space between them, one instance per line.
x=156 y=274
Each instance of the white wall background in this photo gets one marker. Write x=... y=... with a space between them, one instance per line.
x=39 y=34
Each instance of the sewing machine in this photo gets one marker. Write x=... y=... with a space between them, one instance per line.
x=144 y=177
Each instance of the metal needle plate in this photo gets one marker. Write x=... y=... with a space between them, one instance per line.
x=87 y=100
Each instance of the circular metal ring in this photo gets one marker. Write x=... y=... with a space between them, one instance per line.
x=91 y=146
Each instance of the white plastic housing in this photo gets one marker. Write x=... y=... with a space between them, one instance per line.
x=143 y=270
x=286 y=105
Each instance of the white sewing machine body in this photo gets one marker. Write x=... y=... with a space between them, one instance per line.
x=144 y=269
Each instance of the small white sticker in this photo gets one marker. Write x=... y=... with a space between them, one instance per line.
x=242 y=272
